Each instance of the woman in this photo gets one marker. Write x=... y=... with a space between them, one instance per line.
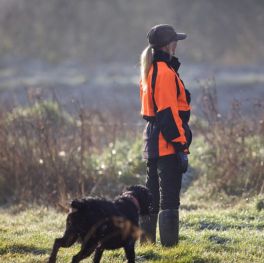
x=167 y=137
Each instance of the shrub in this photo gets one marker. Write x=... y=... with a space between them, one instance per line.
x=49 y=156
x=232 y=152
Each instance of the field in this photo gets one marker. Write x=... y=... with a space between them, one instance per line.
x=60 y=153
x=70 y=123
x=207 y=234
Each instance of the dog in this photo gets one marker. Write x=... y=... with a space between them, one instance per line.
x=101 y=224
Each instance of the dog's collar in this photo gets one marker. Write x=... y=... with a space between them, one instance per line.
x=132 y=198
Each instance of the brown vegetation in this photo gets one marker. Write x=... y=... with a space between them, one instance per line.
x=49 y=156
x=232 y=154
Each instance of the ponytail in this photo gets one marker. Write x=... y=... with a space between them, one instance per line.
x=146 y=60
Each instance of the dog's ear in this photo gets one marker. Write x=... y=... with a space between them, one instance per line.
x=143 y=196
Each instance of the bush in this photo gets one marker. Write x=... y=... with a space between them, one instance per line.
x=50 y=156
x=231 y=153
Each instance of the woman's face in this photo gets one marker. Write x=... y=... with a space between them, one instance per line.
x=173 y=46
x=170 y=48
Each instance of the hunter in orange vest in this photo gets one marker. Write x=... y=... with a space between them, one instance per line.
x=165 y=105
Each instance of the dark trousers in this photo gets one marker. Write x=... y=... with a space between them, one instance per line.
x=164 y=182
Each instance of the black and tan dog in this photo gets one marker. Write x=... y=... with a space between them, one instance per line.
x=100 y=224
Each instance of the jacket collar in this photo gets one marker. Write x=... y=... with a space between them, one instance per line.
x=172 y=62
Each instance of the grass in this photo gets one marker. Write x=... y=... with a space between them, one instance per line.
x=233 y=234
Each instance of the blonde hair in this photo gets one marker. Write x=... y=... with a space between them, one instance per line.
x=146 y=60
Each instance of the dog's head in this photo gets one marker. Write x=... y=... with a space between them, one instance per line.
x=143 y=196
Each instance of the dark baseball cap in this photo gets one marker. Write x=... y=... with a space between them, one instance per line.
x=163 y=34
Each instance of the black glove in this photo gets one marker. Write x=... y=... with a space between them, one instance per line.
x=182 y=155
x=183 y=161
x=180 y=147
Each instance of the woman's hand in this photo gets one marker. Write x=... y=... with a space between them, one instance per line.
x=183 y=161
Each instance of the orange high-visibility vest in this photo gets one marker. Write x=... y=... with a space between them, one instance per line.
x=165 y=106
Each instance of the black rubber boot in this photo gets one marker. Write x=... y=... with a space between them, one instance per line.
x=169 y=227
x=148 y=225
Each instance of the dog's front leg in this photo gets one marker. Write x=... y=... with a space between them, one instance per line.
x=98 y=254
x=130 y=251
x=85 y=252
x=66 y=241
x=55 y=249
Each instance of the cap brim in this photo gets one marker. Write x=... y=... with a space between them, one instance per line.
x=181 y=36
